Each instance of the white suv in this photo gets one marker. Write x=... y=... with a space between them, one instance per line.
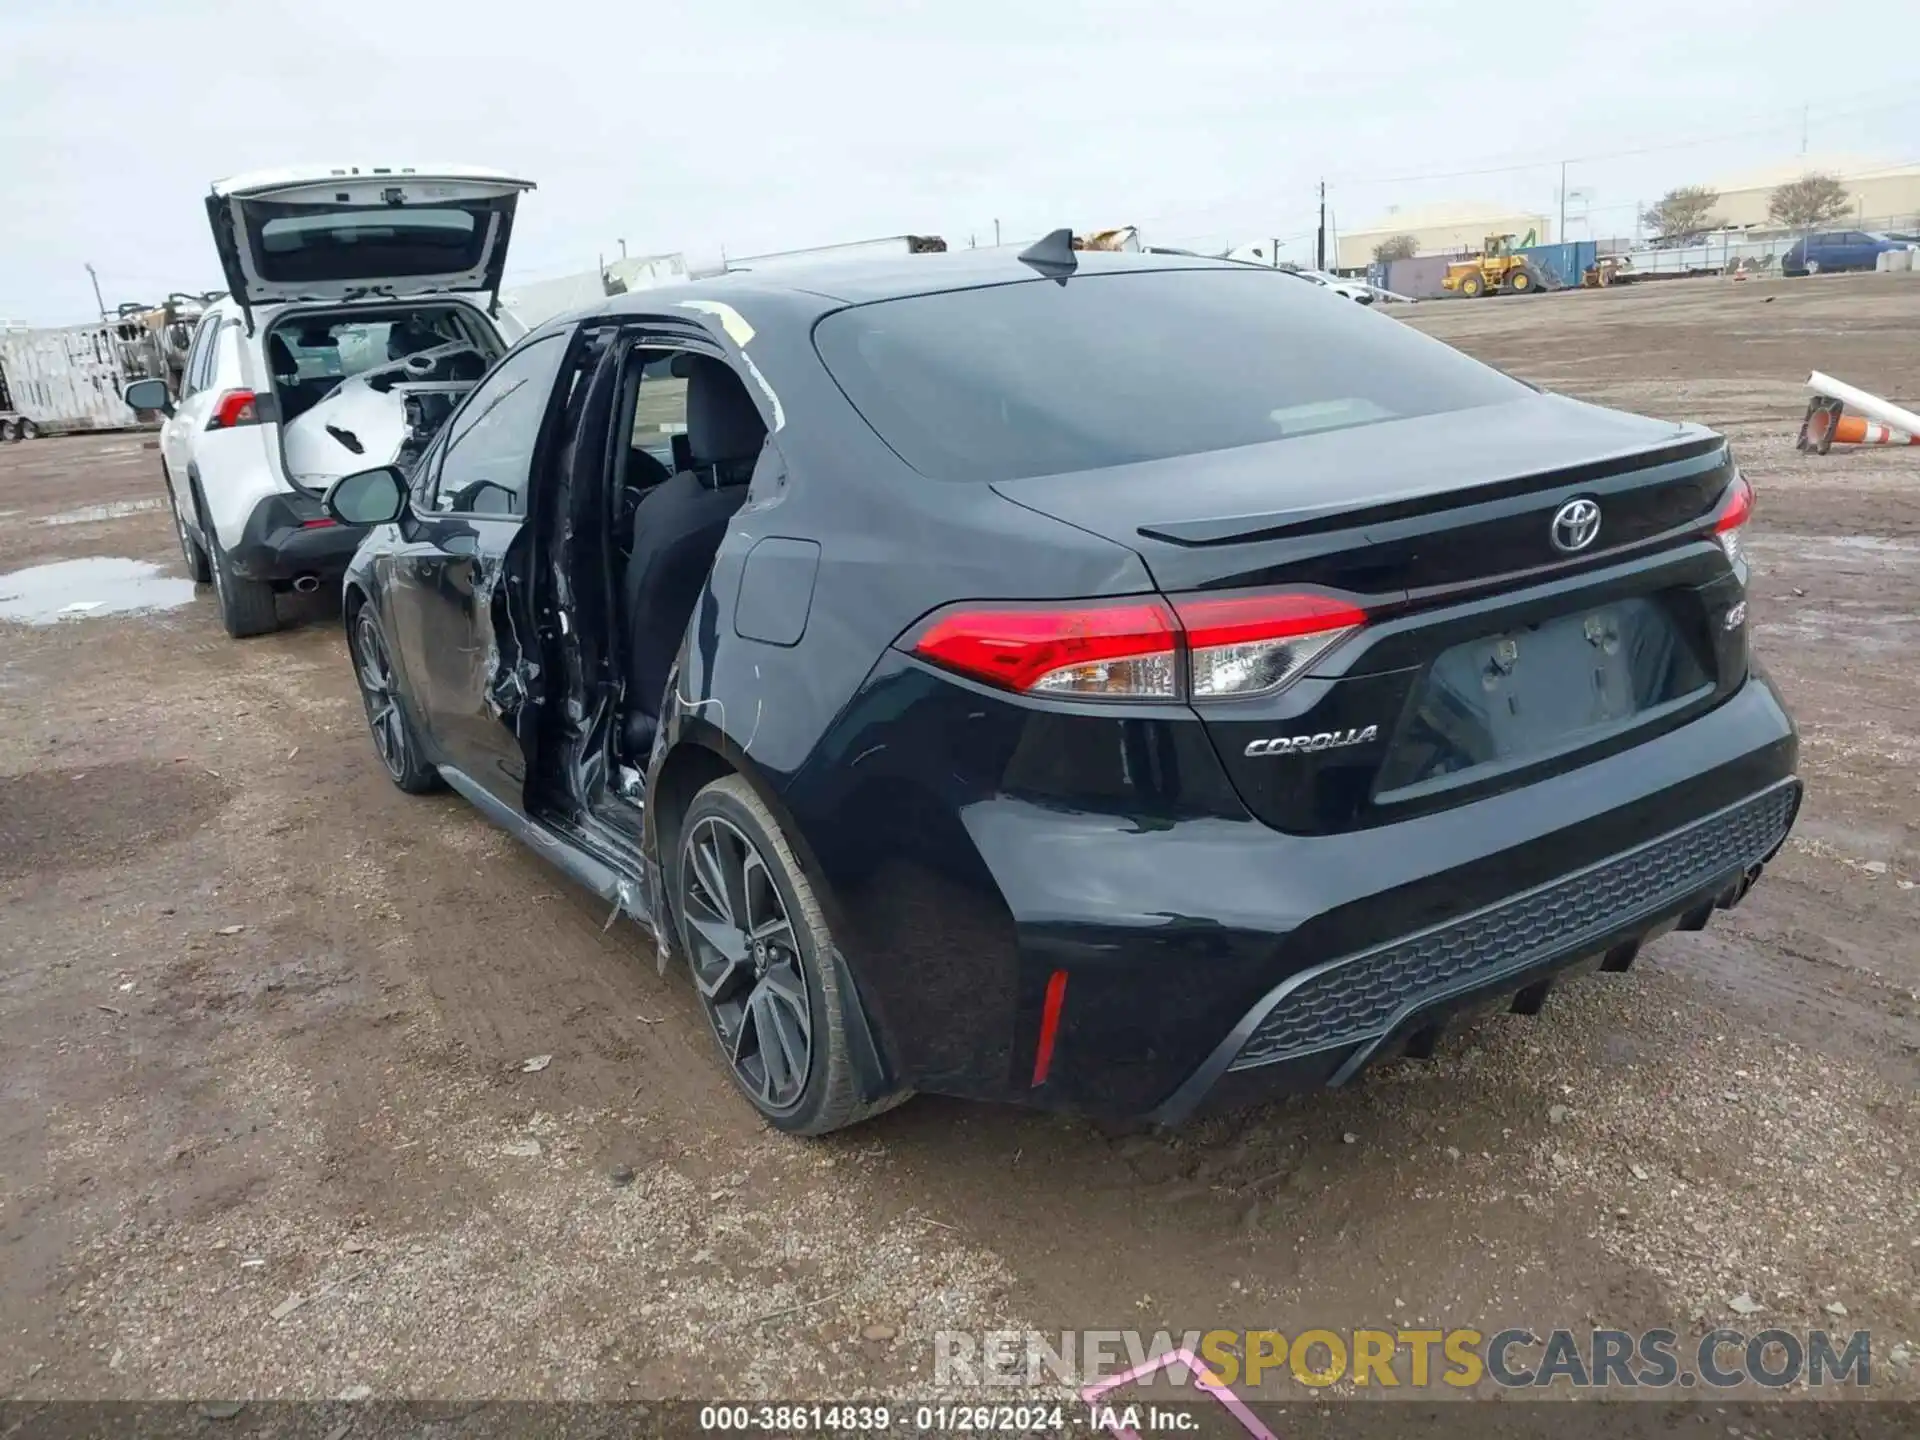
x=364 y=303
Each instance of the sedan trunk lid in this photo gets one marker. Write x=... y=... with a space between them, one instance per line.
x=1395 y=508
x=1495 y=647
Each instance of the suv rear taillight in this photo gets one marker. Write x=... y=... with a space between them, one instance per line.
x=1734 y=513
x=234 y=408
x=1203 y=647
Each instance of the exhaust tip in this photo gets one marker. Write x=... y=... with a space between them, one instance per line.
x=306 y=584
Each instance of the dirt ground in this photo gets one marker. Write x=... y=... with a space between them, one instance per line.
x=268 y=1130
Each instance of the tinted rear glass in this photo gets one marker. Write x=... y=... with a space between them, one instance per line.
x=337 y=244
x=1039 y=378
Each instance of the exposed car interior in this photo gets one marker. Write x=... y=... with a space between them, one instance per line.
x=676 y=528
x=657 y=452
x=364 y=387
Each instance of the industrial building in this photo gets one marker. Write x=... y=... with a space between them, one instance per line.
x=1447 y=229
x=1881 y=195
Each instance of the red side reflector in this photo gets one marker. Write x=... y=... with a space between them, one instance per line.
x=236 y=407
x=1739 y=508
x=1049 y=1026
x=1019 y=648
x=322 y=523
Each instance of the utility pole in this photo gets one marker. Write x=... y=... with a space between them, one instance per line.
x=1320 y=240
x=93 y=276
x=1560 y=235
x=996 y=234
x=1805 y=111
x=1273 y=255
x=623 y=249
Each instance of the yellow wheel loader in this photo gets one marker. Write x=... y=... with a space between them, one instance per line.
x=1498 y=267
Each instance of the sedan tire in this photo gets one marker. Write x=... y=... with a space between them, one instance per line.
x=763 y=964
x=395 y=740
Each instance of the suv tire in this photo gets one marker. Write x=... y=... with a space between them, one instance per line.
x=191 y=550
x=246 y=606
x=729 y=823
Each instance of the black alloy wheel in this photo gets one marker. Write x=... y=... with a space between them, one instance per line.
x=393 y=738
x=747 y=963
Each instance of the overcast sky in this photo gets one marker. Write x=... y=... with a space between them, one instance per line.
x=772 y=124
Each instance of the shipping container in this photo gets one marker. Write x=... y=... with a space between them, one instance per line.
x=1562 y=265
x=1419 y=277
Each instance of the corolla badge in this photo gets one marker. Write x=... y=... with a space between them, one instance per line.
x=1325 y=740
x=1575 y=524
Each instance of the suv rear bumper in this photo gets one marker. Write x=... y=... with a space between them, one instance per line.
x=283 y=541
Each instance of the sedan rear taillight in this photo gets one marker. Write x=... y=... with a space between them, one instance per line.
x=234 y=408
x=1244 y=645
x=1124 y=651
x=1203 y=647
x=1734 y=513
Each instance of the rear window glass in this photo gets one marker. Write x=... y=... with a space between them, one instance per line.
x=321 y=348
x=368 y=244
x=1039 y=378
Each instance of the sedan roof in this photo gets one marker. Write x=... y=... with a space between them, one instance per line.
x=858 y=281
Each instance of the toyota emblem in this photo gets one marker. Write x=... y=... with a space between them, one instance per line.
x=1574 y=526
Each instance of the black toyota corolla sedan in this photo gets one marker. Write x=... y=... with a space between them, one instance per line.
x=1107 y=682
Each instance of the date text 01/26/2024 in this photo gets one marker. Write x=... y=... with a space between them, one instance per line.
x=875 y=1419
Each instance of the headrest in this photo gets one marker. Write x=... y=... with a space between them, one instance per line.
x=723 y=424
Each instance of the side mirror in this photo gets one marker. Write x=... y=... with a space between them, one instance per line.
x=367 y=497
x=149 y=395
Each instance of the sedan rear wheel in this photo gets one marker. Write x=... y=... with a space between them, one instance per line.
x=393 y=736
x=763 y=963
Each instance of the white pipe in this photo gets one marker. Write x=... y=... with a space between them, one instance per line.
x=1871 y=406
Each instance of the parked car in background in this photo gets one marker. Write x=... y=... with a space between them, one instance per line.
x=1109 y=682
x=1831 y=250
x=1358 y=290
x=362 y=307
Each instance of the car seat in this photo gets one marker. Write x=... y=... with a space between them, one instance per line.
x=677 y=530
x=296 y=396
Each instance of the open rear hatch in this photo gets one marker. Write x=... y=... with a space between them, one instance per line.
x=350 y=233
x=1474 y=631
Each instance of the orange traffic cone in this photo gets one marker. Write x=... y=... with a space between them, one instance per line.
x=1853 y=430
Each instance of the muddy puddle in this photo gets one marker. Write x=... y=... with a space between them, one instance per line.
x=82 y=589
